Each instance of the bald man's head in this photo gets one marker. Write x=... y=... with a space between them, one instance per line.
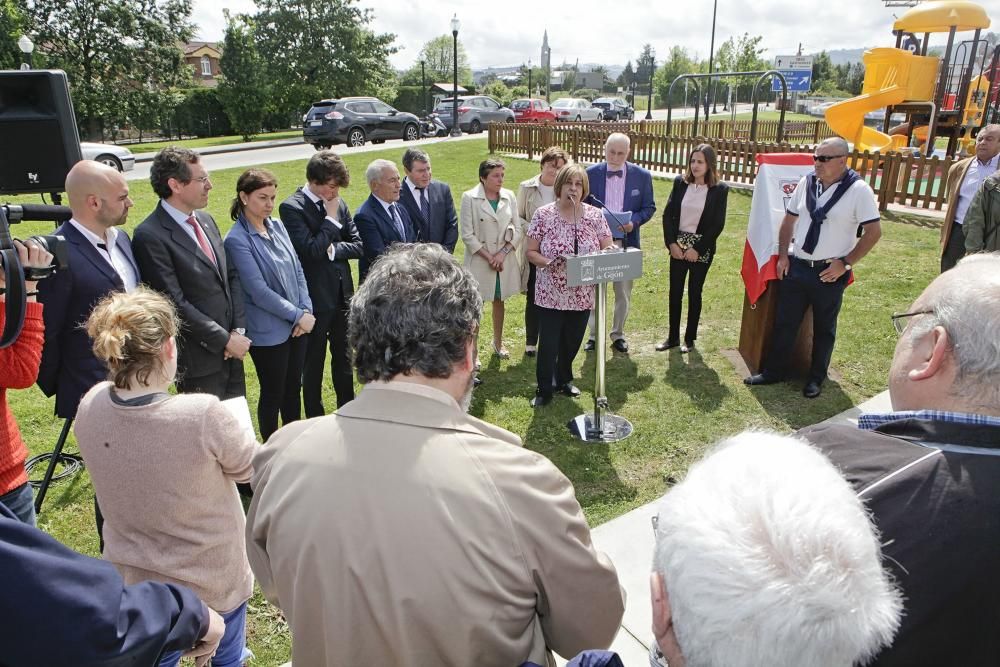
x=98 y=195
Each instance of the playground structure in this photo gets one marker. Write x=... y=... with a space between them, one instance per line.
x=952 y=96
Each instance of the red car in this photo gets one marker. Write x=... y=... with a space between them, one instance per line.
x=531 y=111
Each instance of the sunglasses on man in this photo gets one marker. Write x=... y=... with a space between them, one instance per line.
x=826 y=158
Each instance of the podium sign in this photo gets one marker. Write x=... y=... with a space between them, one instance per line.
x=598 y=270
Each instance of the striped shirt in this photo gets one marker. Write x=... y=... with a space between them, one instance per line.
x=614 y=191
x=869 y=422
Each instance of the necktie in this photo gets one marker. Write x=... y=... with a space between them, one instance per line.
x=322 y=207
x=425 y=207
x=202 y=241
x=397 y=222
x=615 y=174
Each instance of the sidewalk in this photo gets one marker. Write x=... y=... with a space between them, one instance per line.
x=229 y=148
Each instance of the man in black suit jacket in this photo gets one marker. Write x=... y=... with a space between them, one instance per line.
x=180 y=253
x=325 y=238
x=428 y=202
x=100 y=262
x=380 y=219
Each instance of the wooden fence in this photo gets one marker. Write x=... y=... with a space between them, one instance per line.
x=918 y=182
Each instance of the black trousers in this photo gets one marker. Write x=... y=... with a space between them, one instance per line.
x=955 y=250
x=279 y=372
x=695 y=273
x=330 y=328
x=531 y=310
x=560 y=333
x=800 y=289
x=229 y=382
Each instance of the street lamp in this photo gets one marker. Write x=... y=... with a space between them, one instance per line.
x=649 y=100
x=26 y=47
x=529 y=78
x=548 y=73
x=423 y=89
x=456 y=131
x=711 y=51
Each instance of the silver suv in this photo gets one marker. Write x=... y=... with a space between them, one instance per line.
x=474 y=112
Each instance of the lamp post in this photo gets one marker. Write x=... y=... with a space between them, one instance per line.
x=548 y=73
x=456 y=131
x=633 y=95
x=529 y=78
x=709 y=90
x=26 y=47
x=649 y=100
x=423 y=89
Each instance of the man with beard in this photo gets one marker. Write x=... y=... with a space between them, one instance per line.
x=447 y=542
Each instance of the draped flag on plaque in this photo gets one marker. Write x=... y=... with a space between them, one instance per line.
x=778 y=175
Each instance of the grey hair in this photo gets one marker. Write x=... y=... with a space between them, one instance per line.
x=966 y=303
x=373 y=174
x=416 y=312
x=616 y=137
x=414 y=155
x=840 y=143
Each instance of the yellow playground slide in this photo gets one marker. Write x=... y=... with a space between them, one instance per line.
x=847 y=118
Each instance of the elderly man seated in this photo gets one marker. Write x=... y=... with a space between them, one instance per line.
x=765 y=556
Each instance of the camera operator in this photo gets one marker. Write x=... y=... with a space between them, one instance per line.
x=18 y=369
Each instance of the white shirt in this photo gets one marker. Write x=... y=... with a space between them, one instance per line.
x=974 y=177
x=548 y=193
x=111 y=253
x=839 y=232
x=386 y=205
x=330 y=252
x=415 y=191
x=180 y=217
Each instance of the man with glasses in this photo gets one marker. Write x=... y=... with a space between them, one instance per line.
x=930 y=469
x=965 y=179
x=824 y=218
x=179 y=252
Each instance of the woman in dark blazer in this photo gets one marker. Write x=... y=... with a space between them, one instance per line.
x=278 y=307
x=692 y=221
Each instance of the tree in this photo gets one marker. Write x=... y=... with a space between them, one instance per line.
x=645 y=64
x=438 y=57
x=823 y=76
x=678 y=62
x=627 y=76
x=499 y=91
x=322 y=49
x=12 y=26
x=110 y=48
x=243 y=90
x=742 y=55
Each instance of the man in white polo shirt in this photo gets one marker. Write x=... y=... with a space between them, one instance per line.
x=822 y=219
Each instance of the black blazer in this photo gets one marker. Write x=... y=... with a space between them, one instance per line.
x=443 y=226
x=712 y=221
x=378 y=231
x=209 y=300
x=330 y=283
x=69 y=368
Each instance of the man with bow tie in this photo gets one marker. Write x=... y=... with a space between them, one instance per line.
x=624 y=191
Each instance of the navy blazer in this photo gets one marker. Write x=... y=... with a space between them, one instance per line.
x=378 y=232
x=638 y=195
x=209 y=299
x=69 y=368
x=331 y=284
x=271 y=313
x=443 y=224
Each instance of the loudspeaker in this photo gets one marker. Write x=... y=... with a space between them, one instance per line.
x=38 y=135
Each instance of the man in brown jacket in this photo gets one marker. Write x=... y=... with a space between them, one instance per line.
x=964 y=179
x=402 y=531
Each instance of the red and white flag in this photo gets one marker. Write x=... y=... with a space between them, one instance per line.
x=778 y=175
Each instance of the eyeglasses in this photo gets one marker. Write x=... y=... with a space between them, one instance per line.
x=900 y=320
x=827 y=158
x=203 y=180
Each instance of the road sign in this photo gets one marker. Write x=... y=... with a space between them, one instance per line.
x=793 y=62
x=797 y=80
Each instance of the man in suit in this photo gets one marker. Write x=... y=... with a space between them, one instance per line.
x=428 y=202
x=180 y=253
x=929 y=469
x=964 y=179
x=381 y=221
x=626 y=190
x=479 y=548
x=325 y=238
x=100 y=262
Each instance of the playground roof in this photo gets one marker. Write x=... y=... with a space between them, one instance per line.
x=942 y=16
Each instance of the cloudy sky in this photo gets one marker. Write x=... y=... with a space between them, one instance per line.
x=503 y=32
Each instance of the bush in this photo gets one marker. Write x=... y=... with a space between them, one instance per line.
x=201 y=114
x=588 y=94
x=408 y=98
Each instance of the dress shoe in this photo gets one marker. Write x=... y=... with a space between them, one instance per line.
x=620 y=345
x=666 y=345
x=812 y=389
x=500 y=352
x=541 y=400
x=476 y=381
x=530 y=350
x=569 y=389
x=590 y=346
x=687 y=347
x=760 y=378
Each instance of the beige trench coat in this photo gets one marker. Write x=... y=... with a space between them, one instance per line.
x=529 y=199
x=481 y=227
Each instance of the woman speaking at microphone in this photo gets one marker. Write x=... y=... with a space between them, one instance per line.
x=692 y=221
x=563 y=228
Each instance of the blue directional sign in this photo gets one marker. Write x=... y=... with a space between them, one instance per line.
x=797 y=80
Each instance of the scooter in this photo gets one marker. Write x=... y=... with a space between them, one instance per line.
x=431 y=125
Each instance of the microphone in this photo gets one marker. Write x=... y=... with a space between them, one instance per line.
x=614 y=215
x=576 y=229
x=40 y=212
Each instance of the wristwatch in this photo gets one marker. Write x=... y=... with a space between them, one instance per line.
x=242 y=332
x=847 y=265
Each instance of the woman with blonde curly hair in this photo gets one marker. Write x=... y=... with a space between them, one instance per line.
x=164 y=466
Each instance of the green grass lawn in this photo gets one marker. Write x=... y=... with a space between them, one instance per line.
x=204 y=142
x=679 y=404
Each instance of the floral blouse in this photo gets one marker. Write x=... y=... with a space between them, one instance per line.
x=556 y=235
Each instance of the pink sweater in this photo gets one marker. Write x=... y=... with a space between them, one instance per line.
x=164 y=475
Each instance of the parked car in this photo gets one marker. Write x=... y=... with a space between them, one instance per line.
x=109 y=154
x=531 y=111
x=474 y=112
x=355 y=120
x=576 y=108
x=614 y=108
